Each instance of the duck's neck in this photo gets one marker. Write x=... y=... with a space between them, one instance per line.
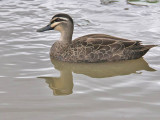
x=66 y=36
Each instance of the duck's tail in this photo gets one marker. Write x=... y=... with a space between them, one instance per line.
x=143 y=50
x=149 y=46
x=146 y=48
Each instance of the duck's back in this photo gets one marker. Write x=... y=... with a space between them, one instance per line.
x=98 y=48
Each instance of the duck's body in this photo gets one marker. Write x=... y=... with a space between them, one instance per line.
x=98 y=48
x=92 y=47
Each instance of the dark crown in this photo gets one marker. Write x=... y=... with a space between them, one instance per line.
x=63 y=15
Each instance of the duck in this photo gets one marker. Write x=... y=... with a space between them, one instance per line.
x=91 y=48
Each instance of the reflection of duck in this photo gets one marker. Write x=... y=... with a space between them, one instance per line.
x=63 y=85
x=93 y=47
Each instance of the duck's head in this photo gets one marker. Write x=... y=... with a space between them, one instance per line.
x=59 y=22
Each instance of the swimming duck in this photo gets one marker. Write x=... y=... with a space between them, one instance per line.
x=90 y=48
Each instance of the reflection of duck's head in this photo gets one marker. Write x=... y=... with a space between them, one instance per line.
x=101 y=70
x=62 y=85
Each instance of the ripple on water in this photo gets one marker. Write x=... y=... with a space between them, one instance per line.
x=109 y=94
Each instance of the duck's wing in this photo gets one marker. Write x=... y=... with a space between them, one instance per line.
x=102 y=36
x=100 y=47
x=101 y=40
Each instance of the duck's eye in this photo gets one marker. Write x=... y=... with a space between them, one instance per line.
x=57 y=20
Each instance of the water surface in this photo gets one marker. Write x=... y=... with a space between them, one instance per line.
x=33 y=87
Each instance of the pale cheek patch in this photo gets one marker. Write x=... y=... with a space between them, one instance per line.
x=55 y=24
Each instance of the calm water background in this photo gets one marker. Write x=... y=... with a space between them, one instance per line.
x=32 y=88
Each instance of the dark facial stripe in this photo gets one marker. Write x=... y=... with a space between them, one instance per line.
x=57 y=20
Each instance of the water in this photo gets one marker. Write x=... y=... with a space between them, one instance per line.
x=32 y=88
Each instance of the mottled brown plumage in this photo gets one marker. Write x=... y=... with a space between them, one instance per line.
x=98 y=48
x=93 y=47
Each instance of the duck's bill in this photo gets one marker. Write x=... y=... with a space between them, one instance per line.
x=48 y=27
